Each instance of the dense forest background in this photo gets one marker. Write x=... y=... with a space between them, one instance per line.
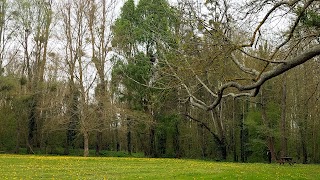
x=215 y=79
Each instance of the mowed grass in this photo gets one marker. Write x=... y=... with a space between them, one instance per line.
x=62 y=167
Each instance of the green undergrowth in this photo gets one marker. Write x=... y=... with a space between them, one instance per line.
x=66 y=167
x=79 y=152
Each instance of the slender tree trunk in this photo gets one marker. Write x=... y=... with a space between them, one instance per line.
x=202 y=140
x=18 y=134
x=152 y=144
x=129 y=144
x=315 y=137
x=303 y=134
x=102 y=118
x=242 y=141
x=243 y=132
x=304 y=120
x=2 y=33
x=233 y=133
x=284 y=139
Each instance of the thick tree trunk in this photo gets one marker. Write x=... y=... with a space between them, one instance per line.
x=102 y=116
x=85 y=144
x=223 y=149
x=99 y=142
x=270 y=141
x=32 y=126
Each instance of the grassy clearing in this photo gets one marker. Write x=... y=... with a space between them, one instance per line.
x=62 y=167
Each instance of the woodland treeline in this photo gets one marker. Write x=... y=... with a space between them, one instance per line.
x=214 y=79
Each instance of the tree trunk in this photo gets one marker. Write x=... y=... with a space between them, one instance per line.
x=284 y=139
x=303 y=135
x=176 y=141
x=17 y=148
x=73 y=118
x=99 y=143
x=221 y=134
x=85 y=144
x=220 y=142
x=203 y=142
x=101 y=109
x=32 y=127
x=223 y=149
x=152 y=149
x=242 y=141
x=233 y=132
x=304 y=120
x=129 y=145
x=304 y=148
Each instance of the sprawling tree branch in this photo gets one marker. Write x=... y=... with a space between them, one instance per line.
x=292 y=30
x=276 y=71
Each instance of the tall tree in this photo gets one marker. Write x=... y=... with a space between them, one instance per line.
x=135 y=38
x=34 y=20
x=100 y=18
x=76 y=32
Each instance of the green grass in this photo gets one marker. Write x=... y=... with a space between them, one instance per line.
x=62 y=167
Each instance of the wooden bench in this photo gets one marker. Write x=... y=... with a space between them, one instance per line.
x=286 y=160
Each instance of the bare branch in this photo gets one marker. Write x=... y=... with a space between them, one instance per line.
x=274 y=8
x=216 y=137
x=243 y=67
x=308 y=3
x=261 y=59
x=280 y=69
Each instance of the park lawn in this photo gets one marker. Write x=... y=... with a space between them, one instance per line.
x=63 y=167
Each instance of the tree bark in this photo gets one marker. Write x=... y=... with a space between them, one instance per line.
x=243 y=156
x=284 y=139
x=99 y=142
x=86 y=144
x=176 y=141
x=152 y=148
x=129 y=144
x=233 y=131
